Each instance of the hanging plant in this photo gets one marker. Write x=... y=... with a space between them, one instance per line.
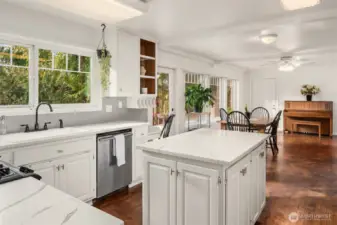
x=104 y=58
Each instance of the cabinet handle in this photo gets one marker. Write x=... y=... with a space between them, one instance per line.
x=243 y=171
x=59 y=151
x=262 y=154
x=172 y=171
x=62 y=167
x=58 y=168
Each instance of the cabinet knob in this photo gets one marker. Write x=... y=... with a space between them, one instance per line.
x=243 y=171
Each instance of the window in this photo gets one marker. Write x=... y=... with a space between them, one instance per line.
x=216 y=87
x=29 y=75
x=14 y=75
x=232 y=96
x=63 y=78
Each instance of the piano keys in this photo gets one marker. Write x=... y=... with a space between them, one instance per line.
x=309 y=111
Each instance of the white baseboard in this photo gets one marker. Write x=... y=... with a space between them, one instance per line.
x=135 y=183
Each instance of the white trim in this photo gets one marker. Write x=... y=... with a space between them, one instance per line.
x=34 y=45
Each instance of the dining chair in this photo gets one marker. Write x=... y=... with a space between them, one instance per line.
x=260 y=112
x=223 y=114
x=238 y=121
x=272 y=130
x=167 y=127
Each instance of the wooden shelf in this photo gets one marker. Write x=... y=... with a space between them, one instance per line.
x=144 y=57
x=147 y=77
x=148 y=61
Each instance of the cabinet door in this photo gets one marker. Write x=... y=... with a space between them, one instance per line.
x=262 y=172
x=159 y=191
x=48 y=171
x=128 y=64
x=197 y=195
x=138 y=161
x=238 y=193
x=255 y=185
x=76 y=176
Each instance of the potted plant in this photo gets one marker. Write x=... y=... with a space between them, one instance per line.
x=309 y=90
x=197 y=97
x=104 y=58
x=248 y=114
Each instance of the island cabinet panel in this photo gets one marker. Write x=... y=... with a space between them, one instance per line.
x=197 y=195
x=238 y=193
x=159 y=187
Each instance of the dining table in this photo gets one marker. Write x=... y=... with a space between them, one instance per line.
x=258 y=124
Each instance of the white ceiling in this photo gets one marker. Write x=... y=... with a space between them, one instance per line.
x=227 y=30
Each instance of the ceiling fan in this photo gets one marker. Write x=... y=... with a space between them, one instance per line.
x=289 y=63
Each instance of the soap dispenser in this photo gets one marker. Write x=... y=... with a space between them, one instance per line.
x=3 y=127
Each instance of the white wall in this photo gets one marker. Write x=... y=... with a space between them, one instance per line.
x=288 y=85
x=182 y=63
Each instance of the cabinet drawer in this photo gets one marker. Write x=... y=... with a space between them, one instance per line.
x=6 y=157
x=141 y=131
x=39 y=153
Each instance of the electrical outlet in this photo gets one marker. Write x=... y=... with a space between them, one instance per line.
x=120 y=104
x=108 y=108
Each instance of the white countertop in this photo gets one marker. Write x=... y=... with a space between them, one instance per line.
x=207 y=145
x=31 y=202
x=24 y=139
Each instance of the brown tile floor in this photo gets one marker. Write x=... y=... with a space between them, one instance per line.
x=302 y=178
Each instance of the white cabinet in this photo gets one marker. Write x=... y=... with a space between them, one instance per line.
x=140 y=136
x=197 y=195
x=238 y=193
x=183 y=191
x=6 y=157
x=126 y=81
x=76 y=177
x=159 y=190
x=72 y=175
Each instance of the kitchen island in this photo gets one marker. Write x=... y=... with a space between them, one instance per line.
x=204 y=177
x=30 y=202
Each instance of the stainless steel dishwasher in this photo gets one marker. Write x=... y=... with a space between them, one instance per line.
x=110 y=177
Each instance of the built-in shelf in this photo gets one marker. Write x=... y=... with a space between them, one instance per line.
x=147 y=77
x=144 y=57
x=148 y=66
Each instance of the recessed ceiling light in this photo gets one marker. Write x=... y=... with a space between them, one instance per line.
x=268 y=38
x=299 y=4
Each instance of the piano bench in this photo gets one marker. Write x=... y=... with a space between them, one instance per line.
x=308 y=123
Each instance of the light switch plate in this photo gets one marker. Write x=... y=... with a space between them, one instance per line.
x=108 y=108
x=120 y=104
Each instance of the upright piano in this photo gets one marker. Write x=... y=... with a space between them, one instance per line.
x=309 y=111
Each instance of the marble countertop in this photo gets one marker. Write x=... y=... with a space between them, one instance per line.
x=31 y=202
x=25 y=139
x=208 y=145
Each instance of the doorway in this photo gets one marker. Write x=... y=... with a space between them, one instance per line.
x=165 y=98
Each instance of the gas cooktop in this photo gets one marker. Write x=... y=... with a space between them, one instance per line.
x=10 y=173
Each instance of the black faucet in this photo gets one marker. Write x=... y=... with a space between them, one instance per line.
x=37 y=114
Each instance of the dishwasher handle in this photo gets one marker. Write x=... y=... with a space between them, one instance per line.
x=112 y=151
x=112 y=137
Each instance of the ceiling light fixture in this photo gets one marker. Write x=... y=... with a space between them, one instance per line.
x=286 y=67
x=299 y=4
x=268 y=38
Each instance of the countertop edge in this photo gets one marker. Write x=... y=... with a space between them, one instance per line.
x=202 y=159
x=81 y=133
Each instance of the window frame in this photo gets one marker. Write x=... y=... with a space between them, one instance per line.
x=34 y=46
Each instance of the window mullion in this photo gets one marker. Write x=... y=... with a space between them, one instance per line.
x=34 y=87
